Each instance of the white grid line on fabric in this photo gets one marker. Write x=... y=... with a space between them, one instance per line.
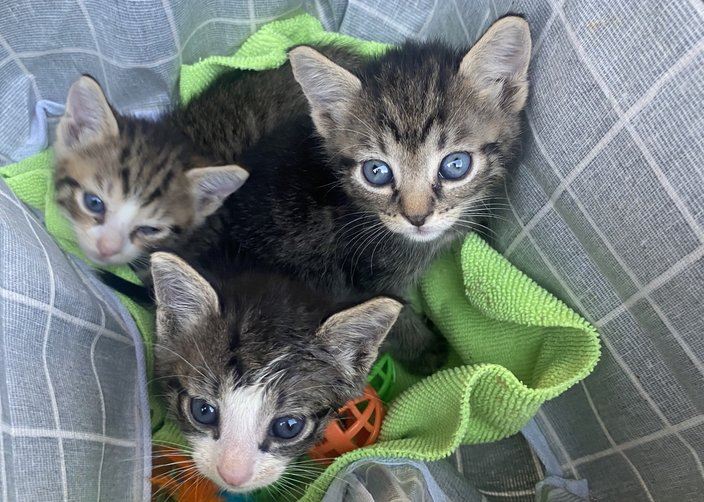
x=252 y=16
x=543 y=151
x=90 y=52
x=429 y=17
x=45 y=360
x=546 y=29
x=613 y=443
x=655 y=408
x=621 y=363
x=169 y=12
x=385 y=19
x=634 y=443
x=12 y=198
x=103 y=414
x=698 y=6
x=536 y=463
x=460 y=18
x=30 y=432
x=667 y=431
x=13 y=57
x=654 y=166
x=99 y=296
x=3 y=473
x=101 y=60
x=581 y=308
x=546 y=424
x=459 y=461
x=624 y=367
x=618 y=126
x=319 y=11
x=481 y=27
x=544 y=419
x=234 y=21
x=60 y=314
x=681 y=265
x=128 y=65
x=510 y=493
x=686 y=348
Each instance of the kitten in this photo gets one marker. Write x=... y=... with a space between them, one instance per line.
x=400 y=156
x=255 y=365
x=129 y=185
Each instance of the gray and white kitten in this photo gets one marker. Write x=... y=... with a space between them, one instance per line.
x=255 y=365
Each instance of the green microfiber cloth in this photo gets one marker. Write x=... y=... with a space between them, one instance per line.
x=514 y=345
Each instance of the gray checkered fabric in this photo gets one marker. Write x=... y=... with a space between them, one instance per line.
x=72 y=396
x=606 y=210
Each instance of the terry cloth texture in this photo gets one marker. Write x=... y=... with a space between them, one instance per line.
x=606 y=209
x=519 y=346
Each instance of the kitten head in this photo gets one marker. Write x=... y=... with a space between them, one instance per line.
x=254 y=371
x=128 y=185
x=422 y=134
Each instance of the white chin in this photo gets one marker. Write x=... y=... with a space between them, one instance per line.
x=422 y=235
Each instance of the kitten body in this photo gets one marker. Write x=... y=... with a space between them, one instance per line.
x=255 y=365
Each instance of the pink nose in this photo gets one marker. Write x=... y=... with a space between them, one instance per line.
x=235 y=475
x=109 y=245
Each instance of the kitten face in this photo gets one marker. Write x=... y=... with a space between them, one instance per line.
x=422 y=134
x=124 y=184
x=254 y=374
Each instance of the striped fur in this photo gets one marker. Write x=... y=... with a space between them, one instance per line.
x=257 y=347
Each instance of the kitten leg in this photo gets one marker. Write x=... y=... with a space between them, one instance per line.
x=413 y=344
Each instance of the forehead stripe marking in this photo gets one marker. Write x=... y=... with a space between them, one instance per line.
x=152 y=197
x=67 y=180
x=125 y=175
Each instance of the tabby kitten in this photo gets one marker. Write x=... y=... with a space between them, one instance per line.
x=128 y=185
x=255 y=365
x=402 y=153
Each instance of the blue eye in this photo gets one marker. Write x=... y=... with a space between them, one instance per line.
x=204 y=412
x=455 y=166
x=148 y=230
x=377 y=172
x=93 y=203
x=287 y=427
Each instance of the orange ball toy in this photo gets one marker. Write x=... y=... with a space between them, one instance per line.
x=358 y=424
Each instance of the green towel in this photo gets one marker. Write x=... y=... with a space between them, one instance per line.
x=515 y=346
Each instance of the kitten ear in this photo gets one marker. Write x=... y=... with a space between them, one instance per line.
x=183 y=297
x=210 y=186
x=88 y=117
x=329 y=88
x=355 y=334
x=497 y=65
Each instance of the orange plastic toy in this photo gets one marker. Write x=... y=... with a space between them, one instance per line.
x=358 y=424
